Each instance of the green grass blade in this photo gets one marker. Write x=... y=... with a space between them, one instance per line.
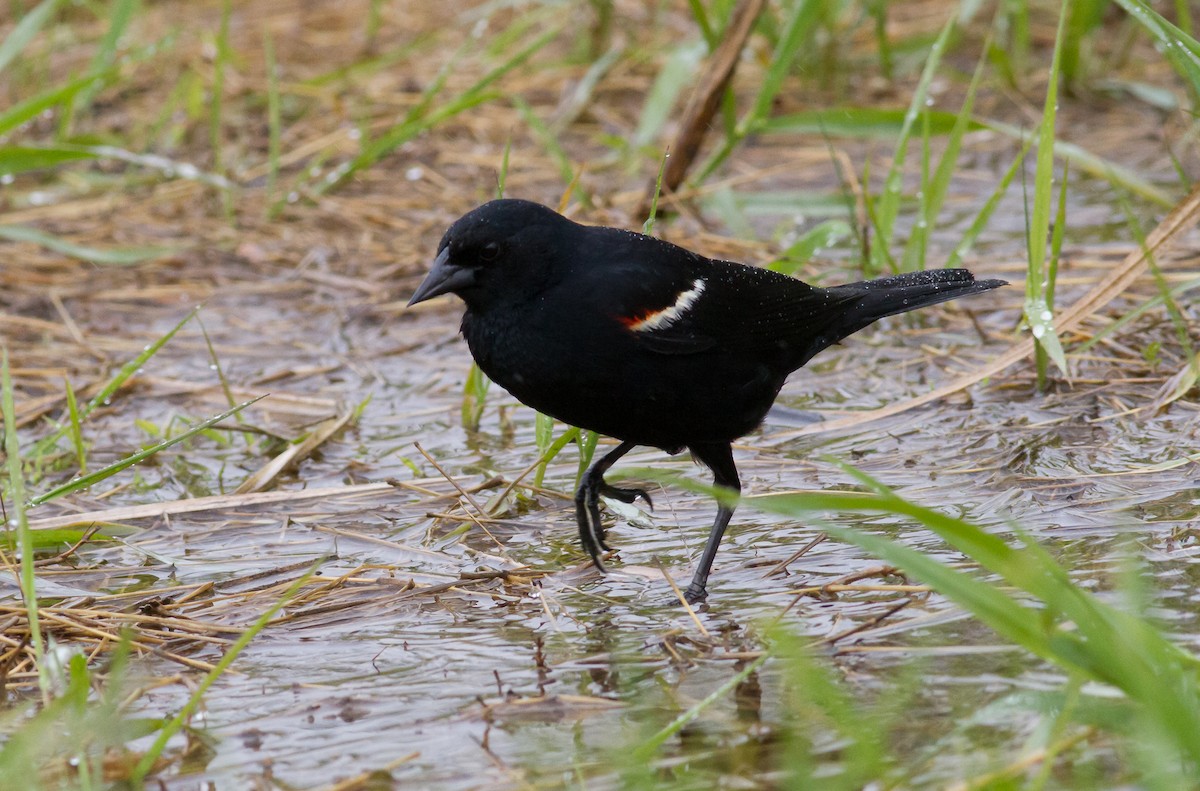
x=366 y=66
x=1181 y=50
x=475 y=390
x=502 y=175
x=1087 y=162
x=18 y=159
x=30 y=108
x=1019 y=44
x=569 y=434
x=131 y=367
x=87 y=722
x=543 y=431
x=16 y=516
x=788 y=202
x=587 y=451
x=75 y=427
x=1184 y=13
x=887 y=206
x=495 y=74
x=706 y=29
x=677 y=73
x=1015 y=622
x=1073 y=628
x=217 y=98
x=84 y=481
x=120 y=13
x=803 y=18
x=798 y=30
x=984 y=215
x=23 y=751
x=822 y=236
x=1039 y=313
x=646 y=750
x=168 y=167
x=917 y=246
x=57 y=538
x=1085 y=17
x=113 y=385
x=214 y=362
x=933 y=193
x=731 y=212
x=544 y=135
x=1056 y=239
x=652 y=216
x=1187 y=378
x=543 y=436
x=1058 y=233
x=1108 y=644
x=877 y=9
x=1130 y=315
x=116 y=256
x=26 y=30
x=274 y=123
x=821 y=710
x=374 y=22
x=151 y=756
x=582 y=95
x=421 y=118
x=862 y=122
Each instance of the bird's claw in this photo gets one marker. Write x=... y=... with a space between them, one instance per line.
x=591 y=529
x=629 y=495
x=587 y=503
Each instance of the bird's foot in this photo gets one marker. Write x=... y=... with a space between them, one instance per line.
x=625 y=495
x=695 y=594
x=591 y=529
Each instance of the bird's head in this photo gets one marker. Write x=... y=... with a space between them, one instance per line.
x=500 y=248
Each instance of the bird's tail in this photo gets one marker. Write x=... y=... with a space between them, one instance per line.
x=871 y=300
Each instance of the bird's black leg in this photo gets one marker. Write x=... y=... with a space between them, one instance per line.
x=587 y=501
x=719 y=458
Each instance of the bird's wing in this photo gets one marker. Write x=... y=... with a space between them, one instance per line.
x=672 y=301
x=739 y=308
x=660 y=315
x=645 y=288
x=668 y=300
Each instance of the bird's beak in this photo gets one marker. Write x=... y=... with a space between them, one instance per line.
x=444 y=278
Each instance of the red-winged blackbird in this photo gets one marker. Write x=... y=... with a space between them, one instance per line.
x=644 y=341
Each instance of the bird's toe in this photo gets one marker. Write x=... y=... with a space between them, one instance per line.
x=628 y=495
x=591 y=529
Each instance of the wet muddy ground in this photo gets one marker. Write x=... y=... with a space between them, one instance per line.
x=448 y=653
x=556 y=670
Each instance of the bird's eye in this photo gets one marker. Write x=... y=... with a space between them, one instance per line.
x=489 y=252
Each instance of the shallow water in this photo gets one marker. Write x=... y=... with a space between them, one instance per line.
x=448 y=679
x=449 y=684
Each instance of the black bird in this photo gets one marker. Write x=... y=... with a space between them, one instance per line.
x=644 y=341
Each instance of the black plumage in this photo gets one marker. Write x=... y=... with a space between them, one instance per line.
x=644 y=341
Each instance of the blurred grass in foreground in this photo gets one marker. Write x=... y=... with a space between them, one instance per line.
x=1127 y=706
